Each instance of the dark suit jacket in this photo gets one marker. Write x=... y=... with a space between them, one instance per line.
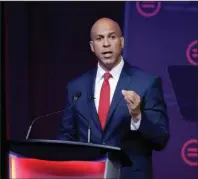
x=152 y=134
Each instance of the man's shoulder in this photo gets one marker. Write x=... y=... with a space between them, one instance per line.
x=81 y=79
x=143 y=79
x=142 y=74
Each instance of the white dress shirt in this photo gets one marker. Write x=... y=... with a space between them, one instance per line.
x=115 y=72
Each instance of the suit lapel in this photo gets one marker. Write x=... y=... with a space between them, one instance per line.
x=123 y=83
x=91 y=103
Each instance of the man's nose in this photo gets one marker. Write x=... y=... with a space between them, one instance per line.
x=106 y=42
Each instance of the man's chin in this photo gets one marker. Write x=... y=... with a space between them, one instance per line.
x=108 y=63
x=109 y=60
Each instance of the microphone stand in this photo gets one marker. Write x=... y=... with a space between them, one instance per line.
x=29 y=129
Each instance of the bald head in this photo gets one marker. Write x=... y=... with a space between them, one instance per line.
x=104 y=24
x=107 y=42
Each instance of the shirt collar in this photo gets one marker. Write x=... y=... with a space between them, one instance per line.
x=115 y=72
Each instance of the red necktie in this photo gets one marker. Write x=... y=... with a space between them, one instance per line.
x=104 y=102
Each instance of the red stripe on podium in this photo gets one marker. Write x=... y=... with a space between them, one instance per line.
x=33 y=168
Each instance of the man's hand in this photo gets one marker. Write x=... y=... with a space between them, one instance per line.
x=133 y=102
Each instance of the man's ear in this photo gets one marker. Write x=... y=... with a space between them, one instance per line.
x=91 y=45
x=122 y=42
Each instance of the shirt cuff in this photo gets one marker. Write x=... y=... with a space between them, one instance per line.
x=135 y=123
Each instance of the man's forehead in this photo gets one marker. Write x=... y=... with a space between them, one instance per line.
x=105 y=30
x=104 y=27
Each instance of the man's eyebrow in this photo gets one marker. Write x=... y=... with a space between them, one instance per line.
x=101 y=35
x=112 y=33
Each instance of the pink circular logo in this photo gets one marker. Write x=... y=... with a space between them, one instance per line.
x=148 y=8
x=189 y=152
x=192 y=52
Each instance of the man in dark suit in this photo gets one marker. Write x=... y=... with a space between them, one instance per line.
x=128 y=109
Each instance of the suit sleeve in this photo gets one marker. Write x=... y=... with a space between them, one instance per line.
x=155 y=123
x=67 y=130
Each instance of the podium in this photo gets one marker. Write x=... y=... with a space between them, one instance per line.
x=112 y=157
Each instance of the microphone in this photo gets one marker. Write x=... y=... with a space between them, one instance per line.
x=91 y=98
x=89 y=126
x=75 y=98
x=39 y=117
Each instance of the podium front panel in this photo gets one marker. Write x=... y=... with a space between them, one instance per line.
x=24 y=168
x=64 y=159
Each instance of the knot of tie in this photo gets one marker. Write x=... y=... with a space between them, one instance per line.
x=107 y=75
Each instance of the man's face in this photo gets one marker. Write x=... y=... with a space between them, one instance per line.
x=107 y=44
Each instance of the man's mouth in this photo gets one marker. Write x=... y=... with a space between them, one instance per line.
x=107 y=52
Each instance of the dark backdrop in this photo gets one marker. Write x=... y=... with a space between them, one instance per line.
x=47 y=45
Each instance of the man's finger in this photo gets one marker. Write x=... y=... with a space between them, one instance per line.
x=129 y=93
x=129 y=103
x=124 y=92
x=131 y=98
x=131 y=106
